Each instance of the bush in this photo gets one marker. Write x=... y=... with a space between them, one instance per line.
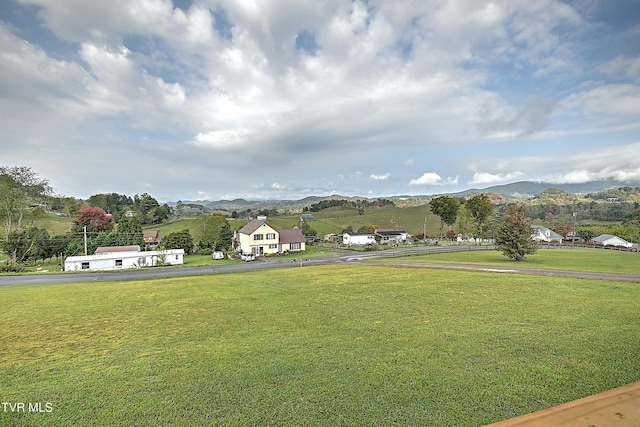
x=13 y=268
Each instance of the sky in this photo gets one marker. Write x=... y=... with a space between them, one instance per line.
x=283 y=99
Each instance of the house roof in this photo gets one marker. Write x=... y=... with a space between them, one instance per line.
x=113 y=249
x=546 y=232
x=252 y=226
x=152 y=236
x=605 y=237
x=390 y=232
x=291 y=235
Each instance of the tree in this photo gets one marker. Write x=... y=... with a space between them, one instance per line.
x=513 y=234
x=210 y=228
x=112 y=203
x=447 y=209
x=367 y=228
x=95 y=219
x=226 y=237
x=20 y=186
x=307 y=230
x=26 y=244
x=179 y=240
x=129 y=232
x=481 y=209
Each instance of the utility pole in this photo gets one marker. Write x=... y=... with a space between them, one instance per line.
x=424 y=233
x=575 y=218
x=85 y=239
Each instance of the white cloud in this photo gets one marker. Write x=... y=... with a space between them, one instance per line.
x=220 y=89
x=482 y=178
x=277 y=186
x=610 y=100
x=428 y=178
x=380 y=177
x=624 y=66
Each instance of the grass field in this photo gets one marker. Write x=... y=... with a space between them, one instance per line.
x=314 y=346
x=578 y=259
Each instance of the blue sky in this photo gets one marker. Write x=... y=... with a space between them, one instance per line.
x=211 y=99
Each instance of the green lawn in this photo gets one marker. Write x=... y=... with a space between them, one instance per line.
x=347 y=345
x=577 y=259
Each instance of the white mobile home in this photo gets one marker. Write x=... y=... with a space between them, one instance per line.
x=357 y=239
x=124 y=260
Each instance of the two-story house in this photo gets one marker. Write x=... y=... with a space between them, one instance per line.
x=259 y=238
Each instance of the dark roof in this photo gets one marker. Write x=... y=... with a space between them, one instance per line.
x=390 y=232
x=252 y=226
x=291 y=235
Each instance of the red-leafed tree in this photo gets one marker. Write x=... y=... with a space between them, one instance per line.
x=95 y=219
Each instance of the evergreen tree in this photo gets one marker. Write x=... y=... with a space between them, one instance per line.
x=513 y=234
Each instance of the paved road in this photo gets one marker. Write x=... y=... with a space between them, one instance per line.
x=353 y=257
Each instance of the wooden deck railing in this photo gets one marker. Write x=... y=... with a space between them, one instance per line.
x=619 y=407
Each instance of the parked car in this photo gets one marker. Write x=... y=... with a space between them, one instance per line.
x=248 y=257
x=218 y=255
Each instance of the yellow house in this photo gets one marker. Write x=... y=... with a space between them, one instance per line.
x=259 y=238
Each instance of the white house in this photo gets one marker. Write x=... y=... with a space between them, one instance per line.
x=610 y=240
x=543 y=234
x=119 y=260
x=357 y=239
x=392 y=237
x=259 y=238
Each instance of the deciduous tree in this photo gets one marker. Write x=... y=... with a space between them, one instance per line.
x=179 y=240
x=481 y=209
x=95 y=219
x=447 y=209
x=20 y=186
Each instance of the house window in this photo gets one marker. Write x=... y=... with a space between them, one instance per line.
x=118 y=263
x=273 y=246
x=294 y=246
x=258 y=236
x=85 y=265
x=176 y=256
x=271 y=236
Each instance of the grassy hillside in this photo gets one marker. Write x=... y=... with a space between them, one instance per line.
x=411 y=219
x=334 y=220
x=319 y=346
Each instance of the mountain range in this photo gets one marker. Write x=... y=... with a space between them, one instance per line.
x=514 y=191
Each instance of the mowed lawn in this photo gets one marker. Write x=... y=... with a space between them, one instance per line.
x=577 y=259
x=314 y=346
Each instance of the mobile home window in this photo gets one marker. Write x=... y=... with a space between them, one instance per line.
x=85 y=265
x=118 y=263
